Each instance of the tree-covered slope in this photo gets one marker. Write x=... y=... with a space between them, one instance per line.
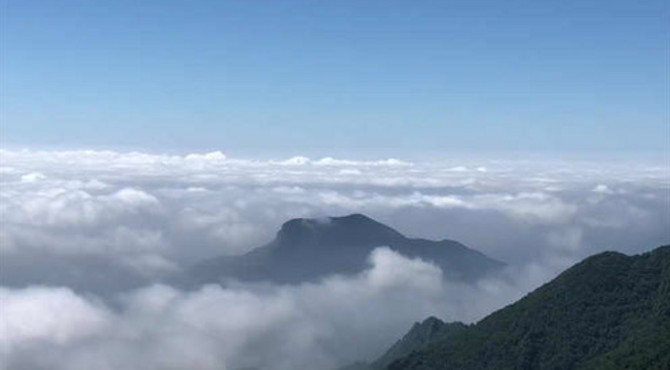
x=610 y=311
x=419 y=336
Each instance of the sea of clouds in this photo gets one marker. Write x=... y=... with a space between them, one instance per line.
x=91 y=240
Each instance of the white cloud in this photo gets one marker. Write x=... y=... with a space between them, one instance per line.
x=134 y=197
x=33 y=177
x=537 y=207
x=289 y=189
x=54 y=315
x=295 y=161
x=282 y=327
x=6 y=170
x=393 y=270
x=459 y=169
x=350 y=171
x=602 y=189
x=329 y=161
x=208 y=204
x=211 y=156
x=317 y=326
x=156 y=214
x=334 y=162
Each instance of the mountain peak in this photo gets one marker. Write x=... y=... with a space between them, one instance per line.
x=354 y=217
x=354 y=229
x=420 y=335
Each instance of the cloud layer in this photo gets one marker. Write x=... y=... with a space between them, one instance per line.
x=159 y=327
x=90 y=240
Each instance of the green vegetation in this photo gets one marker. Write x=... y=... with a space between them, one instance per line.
x=422 y=334
x=610 y=311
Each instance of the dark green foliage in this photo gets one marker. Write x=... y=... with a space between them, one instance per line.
x=422 y=334
x=610 y=311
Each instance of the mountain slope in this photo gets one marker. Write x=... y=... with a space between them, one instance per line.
x=609 y=311
x=307 y=249
x=421 y=335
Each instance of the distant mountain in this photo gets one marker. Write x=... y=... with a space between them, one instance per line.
x=308 y=249
x=610 y=311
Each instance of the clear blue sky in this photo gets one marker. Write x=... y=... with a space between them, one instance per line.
x=333 y=77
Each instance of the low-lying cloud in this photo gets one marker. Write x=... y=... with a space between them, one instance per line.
x=316 y=325
x=91 y=239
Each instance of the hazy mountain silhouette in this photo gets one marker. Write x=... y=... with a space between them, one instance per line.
x=308 y=249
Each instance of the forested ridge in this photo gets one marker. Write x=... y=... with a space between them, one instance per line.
x=610 y=311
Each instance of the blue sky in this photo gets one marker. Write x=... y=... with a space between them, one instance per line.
x=396 y=78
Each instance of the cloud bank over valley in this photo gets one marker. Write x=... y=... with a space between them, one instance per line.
x=91 y=243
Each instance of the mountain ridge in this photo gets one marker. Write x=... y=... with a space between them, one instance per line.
x=609 y=311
